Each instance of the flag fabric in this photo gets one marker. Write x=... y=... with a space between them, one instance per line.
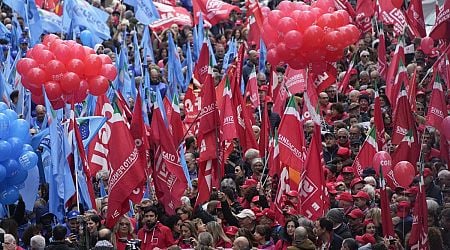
x=325 y=79
x=437 y=109
x=291 y=141
x=175 y=73
x=251 y=93
x=51 y=23
x=441 y=28
x=228 y=116
x=391 y=15
x=4 y=32
x=146 y=43
x=254 y=35
x=365 y=9
x=170 y=15
x=295 y=80
x=414 y=17
x=419 y=231
x=364 y=158
x=382 y=64
x=264 y=134
x=274 y=160
x=213 y=10
x=387 y=226
x=59 y=177
x=412 y=91
x=81 y=13
x=175 y=122
x=201 y=67
x=230 y=54
x=312 y=189
x=144 y=11
x=379 y=123
x=396 y=74
x=169 y=178
x=346 y=80
x=189 y=64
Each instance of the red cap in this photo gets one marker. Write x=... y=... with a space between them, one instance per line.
x=255 y=198
x=420 y=93
x=353 y=72
x=345 y=196
x=365 y=239
x=356 y=181
x=219 y=205
x=291 y=211
x=403 y=209
x=249 y=183
x=363 y=195
x=412 y=190
x=356 y=214
x=238 y=22
x=257 y=211
x=269 y=213
x=344 y=152
x=292 y=193
x=268 y=99
x=348 y=170
x=232 y=230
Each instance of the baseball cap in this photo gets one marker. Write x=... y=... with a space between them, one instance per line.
x=269 y=213
x=231 y=230
x=23 y=40
x=72 y=214
x=365 y=239
x=255 y=198
x=356 y=181
x=292 y=193
x=403 y=209
x=246 y=213
x=364 y=53
x=348 y=170
x=356 y=214
x=249 y=183
x=343 y=152
x=362 y=194
x=345 y=196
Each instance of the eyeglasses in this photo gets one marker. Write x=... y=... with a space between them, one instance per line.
x=365 y=56
x=342 y=137
x=124 y=224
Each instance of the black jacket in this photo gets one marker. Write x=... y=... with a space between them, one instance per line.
x=59 y=246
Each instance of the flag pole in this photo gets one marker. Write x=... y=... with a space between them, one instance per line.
x=76 y=167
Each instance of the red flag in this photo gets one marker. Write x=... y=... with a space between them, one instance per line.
x=201 y=70
x=412 y=91
x=419 y=232
x=346 y=80
x=265 y=131
x=228 y=116
x=364 y=158
x=387 y=226
x=281 y=95
x=404 y=132
x=437 y=109
x=379 y=123
x=254 y=33
x=170 y=14
x=170 y=181
x=396 y=74
x=213 y=11
x=139 y=133
x=414 y=16
x=174 y=120
x=291 y=142
x=325 y=79
x=382 y=65
x=365 y=10
x=251 y=93
x=391 y=15
x=441 y=28
x=171 y=3
x=283 y=188
x=345 y=5
x=122 y=155
x=295 y=80
x=312 y=191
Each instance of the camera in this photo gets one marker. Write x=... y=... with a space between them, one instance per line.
x=133 y=244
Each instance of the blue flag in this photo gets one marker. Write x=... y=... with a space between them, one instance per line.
x=211 y=52
x=189 y=65
x=61 y=186
x=175 y=74
x=145 y=11
x=184 y=165
x=196 y=45
x=34 y=22
x=137 y=58
x=231 y=53
x=4 y=32
x=17 y=6
x=262 y=57
x=81 y=13
x=51 y=23
x=89 y=127
x=30 y=190
x=146 y=43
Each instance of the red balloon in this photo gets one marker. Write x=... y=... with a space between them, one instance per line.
x=39 y=47
x=305 y=20
x=286 y=24
x=34 y=88
x=77 y=51
x=293 y=39
x=38 y=99
x=93 y=64
x=69 y=43
x=297 y=63
x=48 y=39
x=333 y=56
x=269 y=35
x=273 y=17
x=427 y=44
x=317 y=12
x=382 y=159
x=319 y=68
x=397 y=3
x=88 y=50
x=343 y=17
x=76 y=66
x=355 y=32
x=272 y=57
x=58 y=103
x=325 y=5
x=298 y=5
x=98 y=85
x=285 y=6
x=29 y=53
x=284 y=52
x=446 y=128
x=36 y=76
x=265 y=10
x=304 y=7
x=42 y=57
x=70 y=82
x=313 y=37
x=333 y=41
x=81 y=93
x=109 y=71
x=62 y=53
x=404 y=173
x=55 y=69
x=55 y=44
x=326 y=20
x=53 y=90
x=105 y=59
x=25 y=64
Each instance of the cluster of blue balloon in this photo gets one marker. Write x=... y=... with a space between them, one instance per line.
x=16 y=155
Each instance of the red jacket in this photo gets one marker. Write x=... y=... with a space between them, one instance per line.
x=160 y=236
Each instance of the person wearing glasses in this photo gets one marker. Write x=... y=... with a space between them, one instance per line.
x=365 y=62
x=123 y=231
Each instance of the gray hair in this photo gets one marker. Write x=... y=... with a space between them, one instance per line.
x=37 y=242
x=251 y=153
x=205 y=239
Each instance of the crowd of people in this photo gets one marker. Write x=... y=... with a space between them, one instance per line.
x=240 y=213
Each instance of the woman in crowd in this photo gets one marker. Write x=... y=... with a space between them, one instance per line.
x=219 y=237
x=287 y=235
x=188 y=233
x=122 y=232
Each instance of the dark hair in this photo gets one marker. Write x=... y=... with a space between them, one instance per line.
x=264 y=230
x=172 y=221
x=95 y=218
x=59 y=232
x=288 y=237
x=338 y=107
x=351 y=244
x=189 y=140
x=326 y=224
x=14 y=94
x=153 y=209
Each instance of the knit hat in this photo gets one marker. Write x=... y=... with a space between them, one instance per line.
x=336 y=215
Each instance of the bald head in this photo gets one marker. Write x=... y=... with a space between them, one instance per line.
x=300 y=233
x=241 y=243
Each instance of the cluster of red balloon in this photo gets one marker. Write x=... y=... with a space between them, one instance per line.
x=299 y=34
x=67 y=70
x=401 y=175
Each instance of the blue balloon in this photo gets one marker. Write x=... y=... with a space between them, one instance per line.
x=18 y=178
x=12 y=115
x=16 y=147
x=2 y=173
x=12 y=166
x=28 y=160
x=5 y=150
x=3 y=106
x=27 y=147
x=86 y=38
x=21 y=129
x=9 y=196
x=4 y=126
